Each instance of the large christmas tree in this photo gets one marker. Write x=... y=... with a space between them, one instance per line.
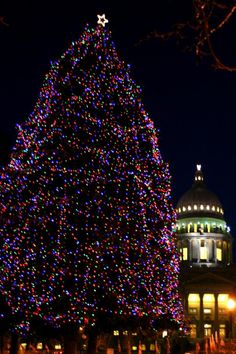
x=86 y=216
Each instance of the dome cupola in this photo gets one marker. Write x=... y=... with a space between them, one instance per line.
x=203 y=237
x=198 y=200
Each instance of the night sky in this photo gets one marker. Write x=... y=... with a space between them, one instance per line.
x=192 y=104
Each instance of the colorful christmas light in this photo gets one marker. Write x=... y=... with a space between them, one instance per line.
x=86 y=214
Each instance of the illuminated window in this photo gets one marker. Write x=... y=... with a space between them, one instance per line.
x=152 y=347
x=57 y=346
x=203 y=253
x=208 y=298
x=203 y=250
x=195 y=228
x=134 y=347
x=185 y=254
x=191 y=228
x=208 y=303
x=223 y=311
x=218 y=209
x=219 y=254
x=189 y=207
x=125 y=333
x=201 y=207
x=222 y=330
x=195 y=207
x=207 y=330
x=194 y=301
x=208 y=207
x=223 y=300
x=213 y=208
x=39 y=346
x=184 y=209
x=207 y=311
x=192 y=310
x=193 y=331
x=179 y=210
x=116 y=333
x=143 y=346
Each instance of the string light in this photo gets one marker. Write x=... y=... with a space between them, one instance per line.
x=86 y=215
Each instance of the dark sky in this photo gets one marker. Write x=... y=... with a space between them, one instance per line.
x=193 y=105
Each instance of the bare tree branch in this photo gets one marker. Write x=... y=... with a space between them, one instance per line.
x=198 y=35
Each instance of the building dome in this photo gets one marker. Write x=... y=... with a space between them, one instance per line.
x=198 y=200
x=203 y=237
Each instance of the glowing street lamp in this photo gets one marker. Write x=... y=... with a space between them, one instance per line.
x=231 y=306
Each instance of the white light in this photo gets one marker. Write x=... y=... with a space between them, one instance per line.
x=231 y=304
x=164 y=334
x=199 y=167
x=102 y=20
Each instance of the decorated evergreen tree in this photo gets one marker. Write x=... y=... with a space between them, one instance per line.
x=86 y=215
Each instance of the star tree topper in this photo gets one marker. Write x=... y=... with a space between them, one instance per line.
x=102 y=20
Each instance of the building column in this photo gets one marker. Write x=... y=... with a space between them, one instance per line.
x=207 y=250
x=189 y=250
x=198 y=250
x=216 y=318
x=201 y=317
x=215 y=257
x=185 y=298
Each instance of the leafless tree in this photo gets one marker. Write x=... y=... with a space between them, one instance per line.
x=199 y=34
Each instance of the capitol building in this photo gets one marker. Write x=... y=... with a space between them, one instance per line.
x=208 y=275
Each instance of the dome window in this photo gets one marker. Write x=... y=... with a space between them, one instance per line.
x=189 y=207
x=218 y=209
x=208 y=207
x=184 y=209
x=179 y=210
x=195 y=207
x=213 y=208
x=201 y=207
